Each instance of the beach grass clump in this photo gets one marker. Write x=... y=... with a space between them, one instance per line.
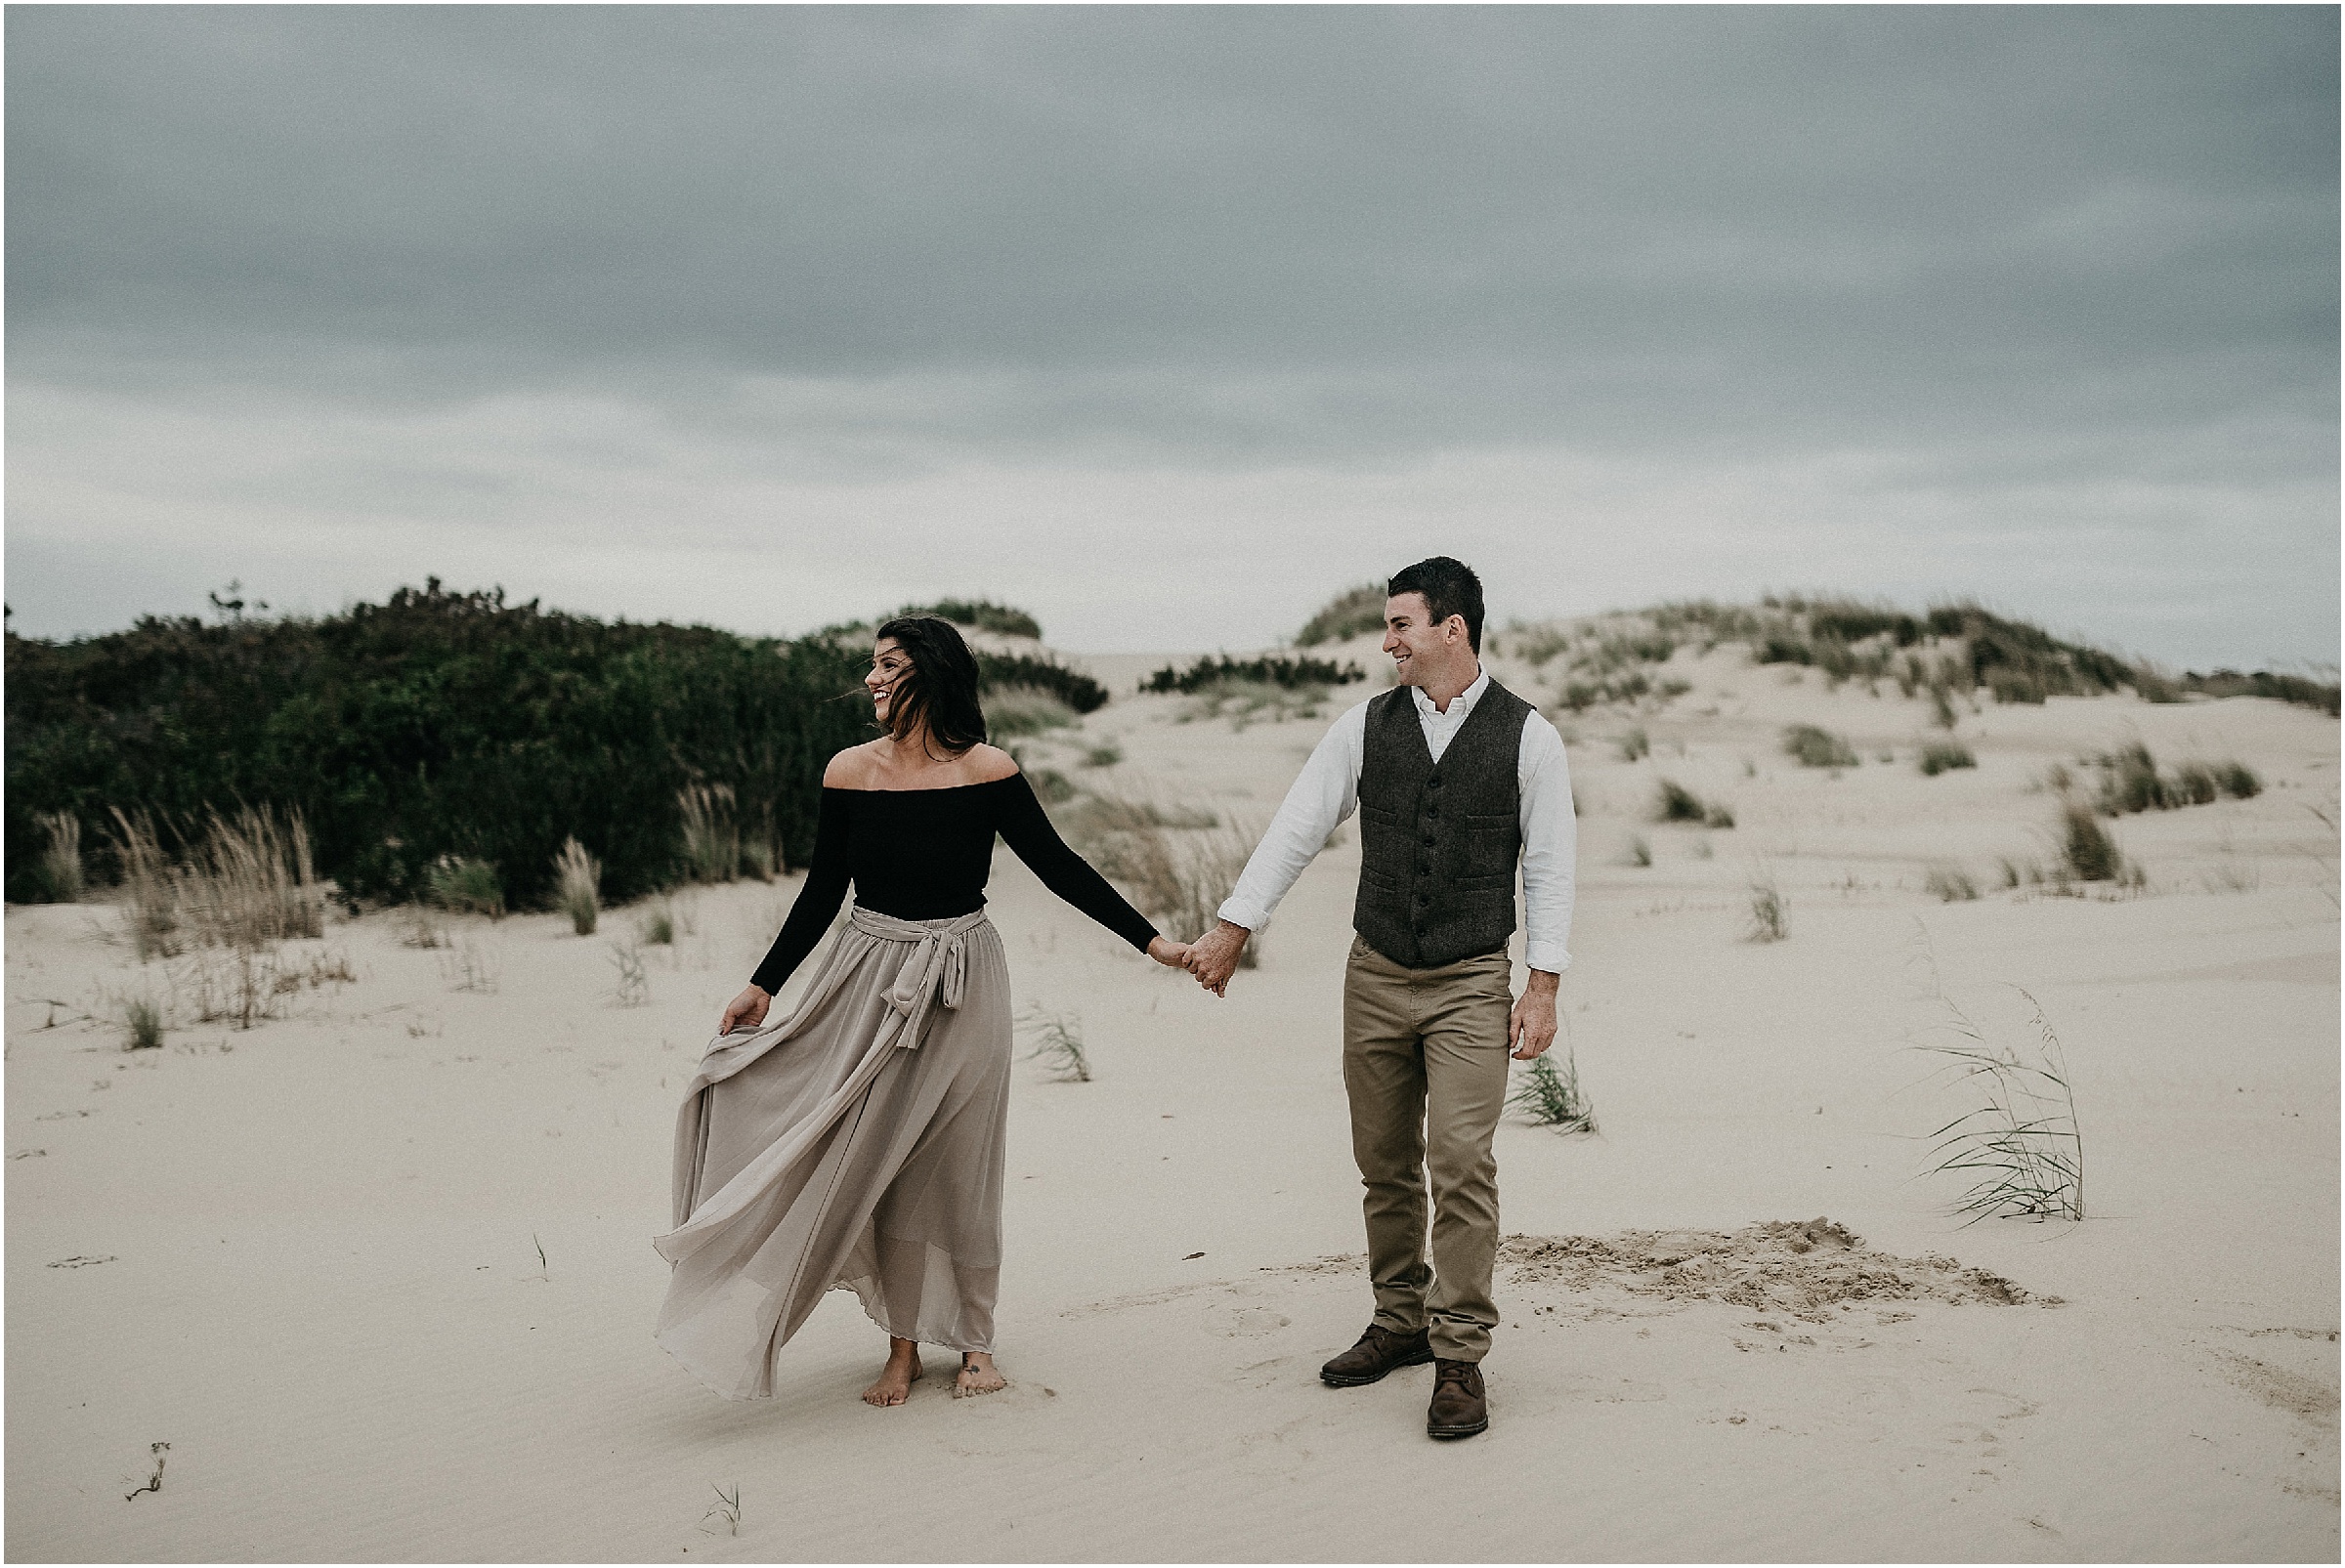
x=711 y=838
x=1022 y=710
x=1551 y=1097
x=1720 y=815
x=1817 y=748
x=657 y=927
x=1058 y=1043
x=1770 y=920
x=1245 y=703
x=149 y=895
x=2087 y=852
x=1640 y=853
x=141 y=1025
x=635 y=984
x=246 y=882
x=1178 y=863
x=1293 y=671
x=1675 y=803
x=1352 y=613
x=1106 y=754
x=2130 y=783
x=1635 y=745
x=465 y=884
x=1942 y=756
x=2193 y=784
x=578 y=886
x=2237 y=780
x=1951 y=885
x=2021 y=1147
x=58 y=874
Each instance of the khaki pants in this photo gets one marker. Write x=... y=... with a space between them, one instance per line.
x=1425 y=1063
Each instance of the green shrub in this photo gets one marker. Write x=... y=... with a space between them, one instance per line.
x=1940 y=756
x=1817 y=748
x=462 y=885
x=1289 y=672
x=1001 y=671
x=1355 y=612
x=982 y=613
x=434 y=724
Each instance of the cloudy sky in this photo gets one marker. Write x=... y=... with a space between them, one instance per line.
x=1167 y=324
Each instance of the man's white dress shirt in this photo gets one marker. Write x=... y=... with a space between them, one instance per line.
x=1328 y=791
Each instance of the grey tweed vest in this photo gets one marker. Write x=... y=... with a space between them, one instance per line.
x=1439 y=844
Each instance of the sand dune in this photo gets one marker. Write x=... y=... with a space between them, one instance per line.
x=1739 y=1320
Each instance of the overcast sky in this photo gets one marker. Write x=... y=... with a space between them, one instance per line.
x=1168 y=324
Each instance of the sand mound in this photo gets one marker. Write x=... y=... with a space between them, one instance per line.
x=1803 y=1268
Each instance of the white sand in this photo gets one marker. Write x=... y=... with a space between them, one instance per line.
x=315 y=1276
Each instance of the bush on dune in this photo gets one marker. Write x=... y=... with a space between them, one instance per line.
x=435 y=724
x=1350 y=613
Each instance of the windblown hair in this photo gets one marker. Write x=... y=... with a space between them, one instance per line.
x=1450 y=588
x=941 y=691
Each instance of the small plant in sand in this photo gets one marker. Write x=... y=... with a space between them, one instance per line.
x=578 y=886
x=2087 y=852
x=155 y=1482
x=1635 y=745
x=60 y=870
x=463 y=884
x=634 y=988
x=2022 y=1149
x=1058 y=1043
x=1552 y=1097
x=1951 y=885
x=1673 y=803
x=711 y=838
x=658 y=928
x=1769 y=920
x=1939 y=756
x=1640 y=853
x=141 y=1025
x=469 y=966
x=1816 y=747
x=1105 y=755
x=726 y=1512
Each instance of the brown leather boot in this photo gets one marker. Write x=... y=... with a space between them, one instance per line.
x=1459 y=1408
x=1379 y=1350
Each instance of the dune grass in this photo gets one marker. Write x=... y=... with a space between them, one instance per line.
x=141 y=1025
x=1551 y=1097
x=1816 y=747
x=1350 y=613
x=1770 y=920
x=1941 y=756
x=1635 y=745
x=1178 y=863
x=1022 y=710
x=1058 y=1043
x=2022 y=1147
x=60 y=872
x=711 y=838
x=1950 y=884
x=578 y=886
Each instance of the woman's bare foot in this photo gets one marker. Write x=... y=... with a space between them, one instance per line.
x=896 y=1379
x=977 y=1375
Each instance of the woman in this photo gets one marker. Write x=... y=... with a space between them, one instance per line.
x=859 y=1140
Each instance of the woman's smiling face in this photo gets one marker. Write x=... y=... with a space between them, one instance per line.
x=889 y=666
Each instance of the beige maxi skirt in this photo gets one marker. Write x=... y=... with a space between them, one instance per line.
x=856 y=1143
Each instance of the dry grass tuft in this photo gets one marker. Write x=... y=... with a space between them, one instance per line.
x=1058 y=1044
x=578 y=886
x=60 y=875
x=1552 y=1097
x=711 y=838
x=248 y=884
x=1817 y=748
x=2023 y=1147
x=1176 y=862
x=1769 y=920
x=1951 y=885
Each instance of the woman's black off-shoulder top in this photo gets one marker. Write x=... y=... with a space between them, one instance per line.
x=925 y=855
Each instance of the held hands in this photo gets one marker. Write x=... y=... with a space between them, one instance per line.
x=1531 y=1026
x=1171 y=955
x=744 y=1011
x=1213 y=957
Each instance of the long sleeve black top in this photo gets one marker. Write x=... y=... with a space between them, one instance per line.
x=925 y=855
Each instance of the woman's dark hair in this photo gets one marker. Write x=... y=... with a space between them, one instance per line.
x=942 y=689
x=1450 y=588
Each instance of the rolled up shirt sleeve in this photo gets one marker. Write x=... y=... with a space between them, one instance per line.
x=1550 y=845
x=1325 y=793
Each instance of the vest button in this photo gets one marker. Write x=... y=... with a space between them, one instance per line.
x=1433 y=781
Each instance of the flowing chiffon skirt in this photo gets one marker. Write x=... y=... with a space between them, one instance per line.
x=856 y=1143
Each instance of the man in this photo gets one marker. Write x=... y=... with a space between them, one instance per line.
x=1455 y=779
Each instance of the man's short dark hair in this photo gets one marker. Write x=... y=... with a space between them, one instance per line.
x=1450 y=588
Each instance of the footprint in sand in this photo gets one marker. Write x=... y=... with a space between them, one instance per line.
x=1244 y=1323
